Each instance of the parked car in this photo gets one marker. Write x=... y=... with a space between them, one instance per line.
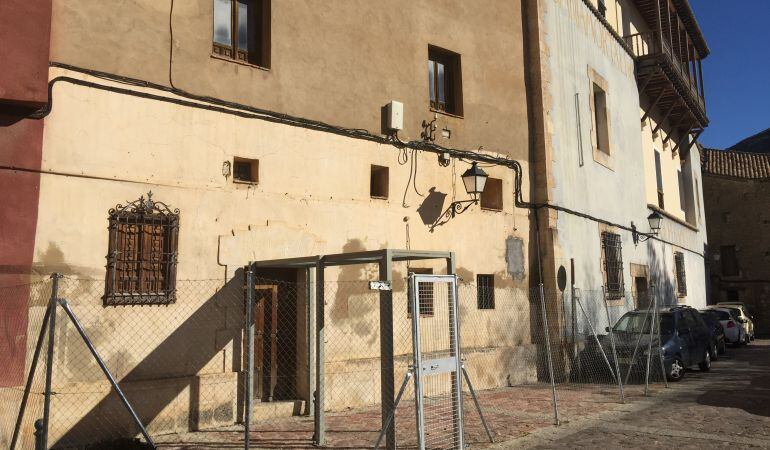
x=711 y=317
x=744 y=315
x=685 y=339
x=735 y=330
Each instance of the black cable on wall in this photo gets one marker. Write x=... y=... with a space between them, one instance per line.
x=240 y=110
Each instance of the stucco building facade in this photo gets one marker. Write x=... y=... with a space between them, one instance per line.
x=616 y=143
x=267 y=138
x=269 y=148
x=736 y=191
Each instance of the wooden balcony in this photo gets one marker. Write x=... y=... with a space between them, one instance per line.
x=670 y=75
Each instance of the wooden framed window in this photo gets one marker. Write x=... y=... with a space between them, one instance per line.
x=682 y=192
x=659 y=180
x=445 y=81
x=681 y=280
x=492 y=196
x=425 y=293
x=242 y=30
x=601 y=124
x=142 y=255
x=485 y=291
x=612 y=249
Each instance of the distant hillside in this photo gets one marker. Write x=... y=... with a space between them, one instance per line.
x=759 y=143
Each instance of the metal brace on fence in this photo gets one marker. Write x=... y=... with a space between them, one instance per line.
x=42 y=426
x=556 y=420
x=611 y=332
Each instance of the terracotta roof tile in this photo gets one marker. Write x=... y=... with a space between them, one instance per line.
x=752 y=166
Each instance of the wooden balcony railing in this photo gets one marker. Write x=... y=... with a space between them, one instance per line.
x=649 y=46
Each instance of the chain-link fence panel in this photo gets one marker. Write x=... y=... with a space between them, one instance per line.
x=596 y=362
x=22 y=312
x=182 y=365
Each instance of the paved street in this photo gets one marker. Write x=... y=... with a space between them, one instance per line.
x=728 y=406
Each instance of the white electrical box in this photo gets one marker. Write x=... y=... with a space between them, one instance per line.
x=395 y=113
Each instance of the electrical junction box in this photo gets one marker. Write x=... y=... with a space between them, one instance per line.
x=395 y=111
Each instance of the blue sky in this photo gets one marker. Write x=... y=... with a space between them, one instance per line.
x=737 y=72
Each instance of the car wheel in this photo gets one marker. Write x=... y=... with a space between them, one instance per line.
x=722 y=347
x=714 y=352
x=705 y=365
x=676 y=372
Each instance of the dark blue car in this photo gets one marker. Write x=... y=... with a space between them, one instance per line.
x=685 y=340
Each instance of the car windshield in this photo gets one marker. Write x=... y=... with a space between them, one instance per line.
x=634 y=322
x=721 y=315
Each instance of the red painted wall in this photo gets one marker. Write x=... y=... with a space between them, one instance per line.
x=24 y=52
x=25 y=30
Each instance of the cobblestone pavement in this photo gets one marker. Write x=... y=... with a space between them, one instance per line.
x=726 y=407
x=510 y=412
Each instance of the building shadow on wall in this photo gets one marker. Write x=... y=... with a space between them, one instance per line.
x=662 y=285
x=171 y=368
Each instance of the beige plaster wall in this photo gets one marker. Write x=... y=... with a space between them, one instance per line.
x=103 y=148
x=337 y=61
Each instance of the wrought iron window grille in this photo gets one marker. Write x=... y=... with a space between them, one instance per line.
x=142 y=255
x=613 y=265
x=681 y=280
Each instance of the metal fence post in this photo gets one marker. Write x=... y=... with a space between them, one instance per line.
x=319 y=419
x=649 y=345
x=30 y=379
x=49 y=358
x=39 y=435
x=612 y=344
x=310 y=293
x=660 y=353
x=549 y=357
x=249 y=355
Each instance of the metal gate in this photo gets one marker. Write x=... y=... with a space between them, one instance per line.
x=437 y=365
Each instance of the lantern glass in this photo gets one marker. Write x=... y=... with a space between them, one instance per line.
x=654 y=219
x=474 y=180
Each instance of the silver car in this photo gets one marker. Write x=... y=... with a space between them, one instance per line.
x=735 y=330
x=743 y=315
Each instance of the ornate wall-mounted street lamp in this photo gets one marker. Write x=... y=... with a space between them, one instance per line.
x=654 y=219
x=474 y=180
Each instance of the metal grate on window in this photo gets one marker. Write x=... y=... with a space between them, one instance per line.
x=142 y=256
x=613 y=265
x=681 y=280
x=485 y=291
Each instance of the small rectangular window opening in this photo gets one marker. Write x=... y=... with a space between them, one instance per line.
x=379 y=182
x=245 y=170
x=601 y=124
x=492 y=197
x=485 y=291
x=444 y=81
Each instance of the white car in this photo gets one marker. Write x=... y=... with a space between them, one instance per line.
x=743 y=315
x=735 y=330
